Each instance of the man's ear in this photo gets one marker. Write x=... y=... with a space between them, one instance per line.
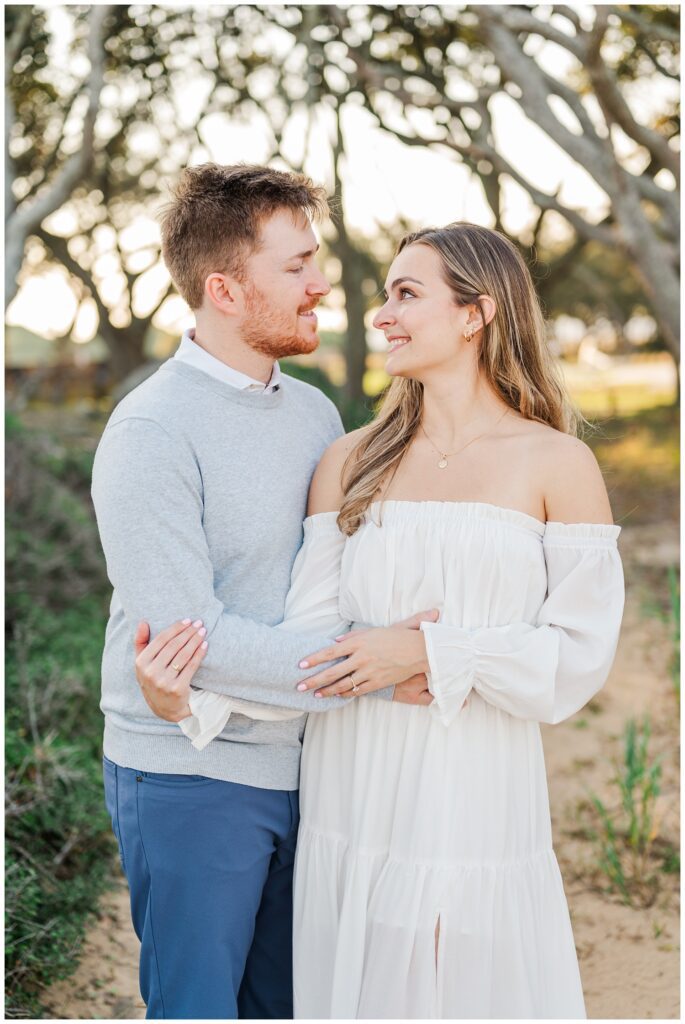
x=224 y=293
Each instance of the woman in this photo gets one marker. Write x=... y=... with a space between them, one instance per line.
x=426 y=884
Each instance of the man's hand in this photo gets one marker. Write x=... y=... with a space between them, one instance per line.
x=373 y=659
x=165 y=667
x=413 y=691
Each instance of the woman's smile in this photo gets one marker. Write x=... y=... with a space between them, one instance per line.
x=396 y=343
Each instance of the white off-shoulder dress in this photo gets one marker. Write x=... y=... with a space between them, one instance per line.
x=426 y=885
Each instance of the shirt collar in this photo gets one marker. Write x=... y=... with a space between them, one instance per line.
x=190 y=352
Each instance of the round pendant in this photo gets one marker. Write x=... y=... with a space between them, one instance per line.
x=443 y=463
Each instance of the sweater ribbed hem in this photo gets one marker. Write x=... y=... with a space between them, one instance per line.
x=262 y=765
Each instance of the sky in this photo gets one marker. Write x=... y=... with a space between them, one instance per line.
x=383 y=177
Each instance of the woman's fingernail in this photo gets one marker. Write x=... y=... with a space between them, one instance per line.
x=317 y=694
x=185 y=622
x=198 y=622
x=204 y=645
x=302 y=687
x=201 y=632
x=304 y=664
x=339 y=638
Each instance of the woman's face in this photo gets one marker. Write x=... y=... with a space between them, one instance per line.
x=421 y=320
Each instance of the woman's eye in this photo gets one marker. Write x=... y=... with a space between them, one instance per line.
x=406 y=291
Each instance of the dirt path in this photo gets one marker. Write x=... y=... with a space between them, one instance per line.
x=629 y=958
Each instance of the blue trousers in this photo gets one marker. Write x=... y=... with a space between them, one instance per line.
x=209 y=867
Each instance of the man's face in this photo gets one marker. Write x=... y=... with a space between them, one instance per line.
x=282 y=285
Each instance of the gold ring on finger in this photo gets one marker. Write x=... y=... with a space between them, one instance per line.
x=177 y=668
x=355 y=688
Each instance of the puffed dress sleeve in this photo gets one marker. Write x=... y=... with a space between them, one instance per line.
x=311 y=606
x=547 y=670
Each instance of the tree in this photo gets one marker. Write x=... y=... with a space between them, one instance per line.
x=131 y=155
x=448 y=66
x=431 y=76
x=54 y=168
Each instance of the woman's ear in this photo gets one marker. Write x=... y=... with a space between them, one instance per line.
x=489 y=309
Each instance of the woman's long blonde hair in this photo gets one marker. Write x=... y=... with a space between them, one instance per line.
x=513 y=357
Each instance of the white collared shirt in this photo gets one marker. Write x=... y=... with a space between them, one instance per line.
x=189 y=352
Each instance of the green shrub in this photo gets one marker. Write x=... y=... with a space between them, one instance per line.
x=58 y=847
x=626 y=834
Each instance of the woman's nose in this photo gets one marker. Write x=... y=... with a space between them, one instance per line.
x=382 y=318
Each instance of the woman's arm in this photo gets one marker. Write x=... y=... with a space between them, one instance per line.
x=574 y=492
x=548 y=670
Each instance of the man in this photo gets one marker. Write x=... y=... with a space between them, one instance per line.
x=200 y=488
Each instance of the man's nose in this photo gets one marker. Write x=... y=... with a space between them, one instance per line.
x=318 y=285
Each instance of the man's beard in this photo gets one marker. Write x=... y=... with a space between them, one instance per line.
x=271 y=332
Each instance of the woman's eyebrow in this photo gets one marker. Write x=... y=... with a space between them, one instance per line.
x=401 y=280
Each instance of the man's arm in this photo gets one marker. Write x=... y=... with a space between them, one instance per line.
x=147 y=492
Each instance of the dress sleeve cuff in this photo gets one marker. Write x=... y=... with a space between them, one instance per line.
x=211 y=711
x=581 y=535
x=452 y=662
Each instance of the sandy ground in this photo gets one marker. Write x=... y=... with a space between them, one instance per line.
x=629 y=958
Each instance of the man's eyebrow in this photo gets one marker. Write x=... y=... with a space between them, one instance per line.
x=401 y=280
x=303 y=255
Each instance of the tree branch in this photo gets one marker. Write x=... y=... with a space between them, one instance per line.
x=169 y=290
x=483 y=151
x=595 y=155
x=569 y=14
x=27 y=217
x=60 y=250
x=13 y=48
x=626 y=12
x=15 y=43
x=615 y=108
x=517 y=19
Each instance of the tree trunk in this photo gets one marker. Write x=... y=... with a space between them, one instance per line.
x=125 y=346
x=355 y=306
x=352 y=281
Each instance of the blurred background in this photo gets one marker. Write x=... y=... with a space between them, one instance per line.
x=556 y=124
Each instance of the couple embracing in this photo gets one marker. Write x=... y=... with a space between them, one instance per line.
x=329 y=654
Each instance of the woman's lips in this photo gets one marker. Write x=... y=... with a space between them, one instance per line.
x=396 y=343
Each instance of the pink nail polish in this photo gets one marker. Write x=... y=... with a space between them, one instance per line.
x=302 y=687
x=204 y=645
x=304 y=664
x=202 y=632
x=198 y=622
x=317 y=694
x=185 y=622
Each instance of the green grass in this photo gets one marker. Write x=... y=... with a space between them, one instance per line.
x=626 y=400
x=59 y=852
x=625 y=834
x=640 y=458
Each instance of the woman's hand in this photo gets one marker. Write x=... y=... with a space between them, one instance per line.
x=373 y=659
x=165 y=667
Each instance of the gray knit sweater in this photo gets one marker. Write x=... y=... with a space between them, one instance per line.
x=200 y=491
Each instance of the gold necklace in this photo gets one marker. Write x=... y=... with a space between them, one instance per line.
x=444 y=456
